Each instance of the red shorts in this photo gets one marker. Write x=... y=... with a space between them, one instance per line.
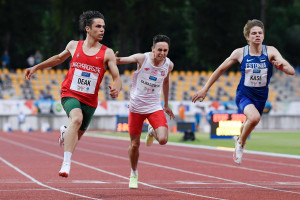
x=136 y=121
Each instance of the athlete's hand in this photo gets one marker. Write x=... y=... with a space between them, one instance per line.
x=277 y=64
x=201 y=94
x=114 y=93
x=29 y=72
x=169 y=112
x=117 y=58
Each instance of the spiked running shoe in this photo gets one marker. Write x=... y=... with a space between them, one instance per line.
x=61 y=138
x=65 y=170
x=133 y=181
x=149 y=136
x=238 y=152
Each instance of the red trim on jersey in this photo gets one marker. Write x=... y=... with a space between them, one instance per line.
x=96 y=65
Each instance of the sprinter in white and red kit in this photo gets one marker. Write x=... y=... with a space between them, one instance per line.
x=151 y=76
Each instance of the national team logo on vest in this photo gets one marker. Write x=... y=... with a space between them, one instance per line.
x=163 y=73
x=85 y=74
x=154 y=72
x=153 y=78
x=77 y=55
x=146 y=69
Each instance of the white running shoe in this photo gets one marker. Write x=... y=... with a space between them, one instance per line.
x=133 y=181
x=61 y=138
x=149 y=136
x=65 y=169
x=238 y=152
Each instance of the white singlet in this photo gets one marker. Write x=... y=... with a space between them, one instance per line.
x=146 y=87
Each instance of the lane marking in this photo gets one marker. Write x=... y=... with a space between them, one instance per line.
x=193 y=160
x=189 y=172
x=39 y=183
x=211 y=148
x=103 y=171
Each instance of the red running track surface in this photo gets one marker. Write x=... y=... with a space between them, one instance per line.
x=29 y=165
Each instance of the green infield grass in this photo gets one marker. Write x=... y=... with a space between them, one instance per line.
x=279 y=142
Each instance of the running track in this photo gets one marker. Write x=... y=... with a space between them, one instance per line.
x=29 y=165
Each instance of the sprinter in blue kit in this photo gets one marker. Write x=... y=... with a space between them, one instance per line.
x=257 y=61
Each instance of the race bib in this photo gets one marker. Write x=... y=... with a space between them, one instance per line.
x=256 y=77
x=149 y=84
x=84 y=82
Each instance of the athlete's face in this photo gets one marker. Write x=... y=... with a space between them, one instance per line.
x=160 y=50
x=256 y=35
x=97 y=30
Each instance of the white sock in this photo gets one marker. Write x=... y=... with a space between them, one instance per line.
x=134 y=172
x=67 y=156
x=151 y=131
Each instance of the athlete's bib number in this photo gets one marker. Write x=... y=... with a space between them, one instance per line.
x=84 y=82
x=256 y=77
x=149 y=84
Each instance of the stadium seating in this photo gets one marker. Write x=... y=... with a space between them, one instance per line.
x=182 y=85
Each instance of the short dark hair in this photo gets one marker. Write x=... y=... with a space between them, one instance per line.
x=86 y=19
x=161 y=38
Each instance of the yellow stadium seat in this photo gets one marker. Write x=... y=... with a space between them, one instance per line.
x=65 y=71
x=196 y=73
x=182 y=73
x=127 y=72
x=174 y=73
x=6 y=96
x=224 y=98
x=58 y=71
x=5 y=71
x=189 y=73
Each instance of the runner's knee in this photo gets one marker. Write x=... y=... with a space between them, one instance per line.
x=77 y=120
x=135 y=145
x=163 y=141
x=254 y=119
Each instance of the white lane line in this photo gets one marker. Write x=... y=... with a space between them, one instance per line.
x=210 y=148
x=206 y=162
x=103 y=171
x=229 y=180
x=188 y=172
x=287 y=156
x=41 y=184
x=190 y=159
x=224 y=165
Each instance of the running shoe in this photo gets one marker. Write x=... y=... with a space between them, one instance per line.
x=133 y=181
x=149 y=136
x=238 y=152
x=65 y=169
x=61 y=138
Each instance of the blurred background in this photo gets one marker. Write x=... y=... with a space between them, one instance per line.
x=203 y=34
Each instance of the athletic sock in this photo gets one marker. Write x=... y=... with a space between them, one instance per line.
x=134 y=172
x=67 y=156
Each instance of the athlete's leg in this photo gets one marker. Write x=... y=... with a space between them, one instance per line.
x=161 y=135
x=133 y=151
x=135 y=125
x=252 y=119
x=160 y=128
x=71 y=135
x=80 y=134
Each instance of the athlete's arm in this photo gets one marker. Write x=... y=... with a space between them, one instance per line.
x=279 y=62
x=52 y=61
x=135 y=58
x=110 y=61
x=167 y=109
x=235 y=56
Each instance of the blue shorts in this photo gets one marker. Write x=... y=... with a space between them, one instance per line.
x=243 y=101
x=198 y=118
